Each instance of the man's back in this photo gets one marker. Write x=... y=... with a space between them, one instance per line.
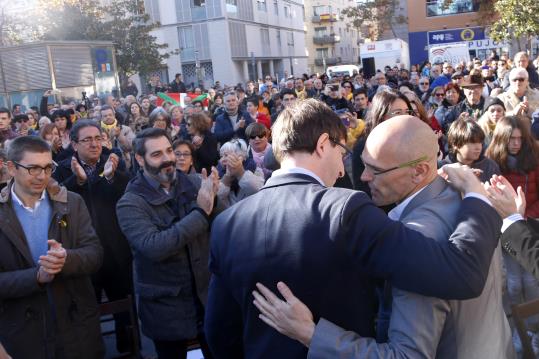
x=475 y=328
x=289 y=231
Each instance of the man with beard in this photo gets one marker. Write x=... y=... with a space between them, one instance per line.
x=164 y=214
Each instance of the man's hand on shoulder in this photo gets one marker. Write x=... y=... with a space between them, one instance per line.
x=462 y=178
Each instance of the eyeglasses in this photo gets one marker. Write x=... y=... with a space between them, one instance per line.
x=377 y=172
x=347 y=87
x=188 y=124
x=37 y=170
x=400 y=112
x=440 y=95
x=183 y=154
x=88 y=140
x=424 y=83
x=346 y=152
x=457 y=78
x=252 y=137
x=519 y=79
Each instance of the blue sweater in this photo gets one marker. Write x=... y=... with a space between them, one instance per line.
x=35 y=226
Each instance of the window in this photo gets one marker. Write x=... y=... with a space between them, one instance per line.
x=198 y=9
x=232 y=6
x=320 y=31
x=265 y=41
x=290 y=38
x=322 y=53
x=279 y=39
x=187 y=43
x=276 y=6
x=287 y=11
x=261 y=5
x=198 y=3
x=442 y=7
x=321 y=10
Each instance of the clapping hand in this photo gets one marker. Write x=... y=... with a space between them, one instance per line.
x=52 y=263
x=206 y=194
x=78 y=171
x=504 y=198
x=111 y=165
x=234 y=166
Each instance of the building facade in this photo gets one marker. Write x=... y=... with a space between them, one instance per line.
x=230 y=40
x=329 y=40
x=434 y=23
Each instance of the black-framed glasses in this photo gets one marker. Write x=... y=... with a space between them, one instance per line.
x=519 y=79
x=377 y=172
x=34 y=170
x=346 y=152
x=183 y=154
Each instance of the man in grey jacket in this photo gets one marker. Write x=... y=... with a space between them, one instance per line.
x=420 y=327
x=164 y=215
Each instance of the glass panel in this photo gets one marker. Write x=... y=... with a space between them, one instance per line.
x=442 y=7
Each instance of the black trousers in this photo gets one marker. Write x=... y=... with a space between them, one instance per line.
x=177 y=349
x=117 y=284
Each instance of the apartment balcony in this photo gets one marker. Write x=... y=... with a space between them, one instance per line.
x=330 y=61
x=326 y=39
x=324 y=18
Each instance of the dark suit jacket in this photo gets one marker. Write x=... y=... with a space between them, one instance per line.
x=323 y=242
x=521 y=241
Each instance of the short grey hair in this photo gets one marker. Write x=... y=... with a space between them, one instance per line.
x=518 y=72
x=237 y=146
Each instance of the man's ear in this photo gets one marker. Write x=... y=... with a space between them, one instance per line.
x=421 y=171
x=140 y=160
x=322 y=143
x=11 y=168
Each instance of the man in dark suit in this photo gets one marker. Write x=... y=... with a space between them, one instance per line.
x=325 y=242
x=520 y=236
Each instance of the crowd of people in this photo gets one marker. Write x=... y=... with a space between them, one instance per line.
x=335 y=186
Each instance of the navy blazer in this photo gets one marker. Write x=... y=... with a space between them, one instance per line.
x=325 y=243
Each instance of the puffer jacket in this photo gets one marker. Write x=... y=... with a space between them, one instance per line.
x=530 y=184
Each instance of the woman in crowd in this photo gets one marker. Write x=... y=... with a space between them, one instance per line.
x=218 y=106
x=452 y=98
x=204 y=142
x=32 y=120
x=258 y=117
x=50 y=133
x=435 y=100
x=62 y=120
x=239 y=176
x=136 y=120
x=259 y=146
x=81 y=111
x=347 y=90
x=465 y=140
x=517 y=154
x=159 y=118
x=385 y=104
x=184 y=151
x=494 y=112
x=177 y=119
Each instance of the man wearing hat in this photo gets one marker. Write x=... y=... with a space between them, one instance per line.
x=519 y=99
x=472 y=86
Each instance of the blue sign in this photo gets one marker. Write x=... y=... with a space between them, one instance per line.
x=456 y=35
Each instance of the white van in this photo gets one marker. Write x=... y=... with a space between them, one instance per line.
x=342 y=70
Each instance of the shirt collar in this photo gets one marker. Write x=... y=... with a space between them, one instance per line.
x=18 y=200
x=396 y=213
x=300 y=170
